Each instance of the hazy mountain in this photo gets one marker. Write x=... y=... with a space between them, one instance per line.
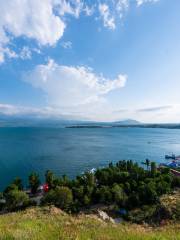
x=127 y=122
x=30 y=121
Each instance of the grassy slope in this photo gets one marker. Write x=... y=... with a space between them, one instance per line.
x=52 y=224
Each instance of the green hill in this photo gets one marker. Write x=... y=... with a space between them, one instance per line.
x=53 y=224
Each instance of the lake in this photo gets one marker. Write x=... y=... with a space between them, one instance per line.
x=72 y=150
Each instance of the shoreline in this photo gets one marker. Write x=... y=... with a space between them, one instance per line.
x=162 y=126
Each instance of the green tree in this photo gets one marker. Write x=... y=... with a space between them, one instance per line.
x=64 y=181
x=102 y=176
x=18 y=182
x=16 y=199
x=78 y=192
x=104 y=194
x=34 y=182
x=176 y=181
x=89 y=179
x=147 y=163
x=60 y=196
x=49 y=178
x=153 y=169
x=86 y=200
x=151 y=193
x=9 y=188
x=162 y=187
x=119 y=195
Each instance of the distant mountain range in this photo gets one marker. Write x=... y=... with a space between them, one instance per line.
x=11 y=121
x=22 y=121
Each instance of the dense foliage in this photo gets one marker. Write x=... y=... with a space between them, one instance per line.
x=60 y=196
x=124 y=184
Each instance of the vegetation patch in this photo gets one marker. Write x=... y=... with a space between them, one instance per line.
x=41 y=223
x=123 y=190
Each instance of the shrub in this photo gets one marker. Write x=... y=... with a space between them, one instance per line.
x=60 y=196
x=176 y=181
x=18 y=182
x=9 y=188
x=104 y=194
x=16 y=199
x=144 y=214
x=119 y=195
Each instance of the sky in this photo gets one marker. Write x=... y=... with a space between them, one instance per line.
x=102 y=60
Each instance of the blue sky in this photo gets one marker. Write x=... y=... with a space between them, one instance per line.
x=98 y=60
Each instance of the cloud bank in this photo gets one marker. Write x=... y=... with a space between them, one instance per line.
x=169 y=115
x=154 y=109
x=72 y=87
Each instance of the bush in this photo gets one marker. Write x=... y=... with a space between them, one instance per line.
x=144 y=214
x=60 y=196
x=104 y=194
x=176 y=181
x=119 y=195
x=9 y=188
x=18 y=182
x=16 y=199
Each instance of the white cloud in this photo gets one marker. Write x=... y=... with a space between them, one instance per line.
x=121 y=6
x=39 y=20
x=73 y=7
x=89 y=10
x=6 y=52
x=19 y=110
x=48 y=112
x=165 y=113
x=37 y=50
x=101 y=111
x=25 y=53
x=9 y=53
x=45 y=21
x=67 y=45
x=140 y=2
x=8 y=109
x=1 y=56
x=71 y=88
x=108 y=20
x=111 y=10
x=32 y=19
x=150 y=114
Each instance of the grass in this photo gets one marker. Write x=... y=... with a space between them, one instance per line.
x=53 y=224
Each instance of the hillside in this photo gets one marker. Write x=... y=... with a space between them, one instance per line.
x=97 y=208
x=53 y=224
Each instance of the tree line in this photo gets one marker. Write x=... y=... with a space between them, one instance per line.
x=124 y=184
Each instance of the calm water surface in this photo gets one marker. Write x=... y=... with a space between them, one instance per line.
x=72 y=151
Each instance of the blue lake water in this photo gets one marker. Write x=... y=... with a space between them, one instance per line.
x=72 y=151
